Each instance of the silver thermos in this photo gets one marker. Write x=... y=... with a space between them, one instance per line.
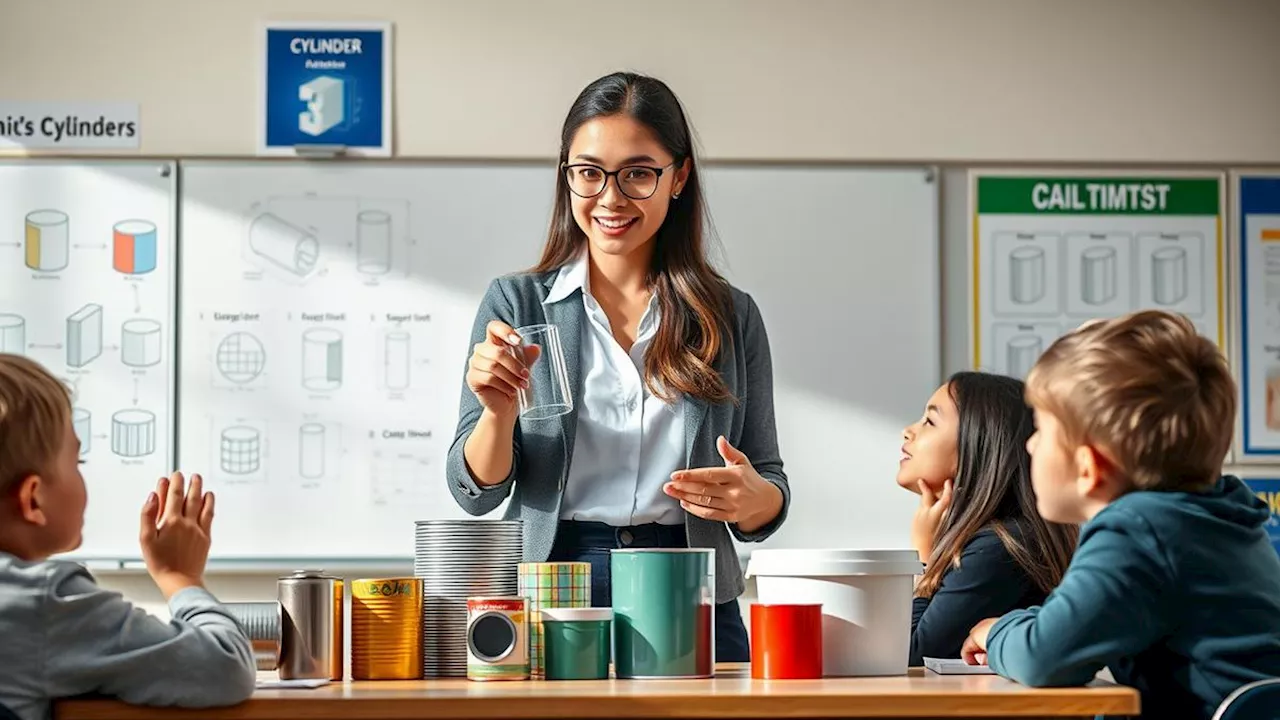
x=311 y=618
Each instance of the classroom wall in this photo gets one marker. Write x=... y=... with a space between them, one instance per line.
x=984 y=80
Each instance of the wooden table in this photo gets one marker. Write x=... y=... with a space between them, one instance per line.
x=731 y=694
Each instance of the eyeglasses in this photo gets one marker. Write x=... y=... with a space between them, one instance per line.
x=638 y=182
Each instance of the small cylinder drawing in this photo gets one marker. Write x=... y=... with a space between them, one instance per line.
x=284 y=244
x=241 y=450
x=133 y=247
x=397 y=360
x=311 y=450
x=140 y=343
x=1026 y=271
x=1023 y=351
x=1098 y=275
x=80 y=421
x=133 y=433
x=13 y=334
x=84 y=335
x=48 y=240
x=1169 y=275
x=321 y=359
x=373 y=241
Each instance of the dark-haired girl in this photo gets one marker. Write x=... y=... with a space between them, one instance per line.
x=985 y=547
x=671 y=440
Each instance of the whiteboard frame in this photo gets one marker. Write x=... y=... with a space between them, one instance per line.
x=269 y=565
x=171 y=166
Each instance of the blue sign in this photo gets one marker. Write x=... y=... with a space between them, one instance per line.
x=327 y=84
x=1259 y=233
x=1269 y=491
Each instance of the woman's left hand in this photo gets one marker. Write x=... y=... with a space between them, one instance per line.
x=734 y=493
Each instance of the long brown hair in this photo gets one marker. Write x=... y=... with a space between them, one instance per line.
x=993 y=486
x=693 y=299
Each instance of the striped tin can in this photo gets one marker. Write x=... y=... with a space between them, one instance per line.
x=551 y=585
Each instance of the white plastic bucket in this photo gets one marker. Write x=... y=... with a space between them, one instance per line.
x=866 y=602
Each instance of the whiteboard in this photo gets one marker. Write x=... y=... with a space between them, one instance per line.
x=325 y=314
x=844 y=265
x=87 y=290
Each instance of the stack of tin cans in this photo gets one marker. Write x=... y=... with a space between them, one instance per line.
x=457 y=560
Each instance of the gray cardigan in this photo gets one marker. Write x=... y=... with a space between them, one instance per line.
x=543 y=448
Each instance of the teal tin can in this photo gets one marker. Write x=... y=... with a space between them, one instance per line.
x=578 y=643
x=663 y=612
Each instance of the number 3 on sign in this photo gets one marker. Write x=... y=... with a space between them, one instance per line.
x=324 y=99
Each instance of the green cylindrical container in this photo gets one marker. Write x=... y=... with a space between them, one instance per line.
x=576 y=643
x=663 y=612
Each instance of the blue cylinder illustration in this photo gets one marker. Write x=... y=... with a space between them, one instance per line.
x=134 y=247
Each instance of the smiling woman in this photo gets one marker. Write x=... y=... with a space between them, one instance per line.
x=669 y=440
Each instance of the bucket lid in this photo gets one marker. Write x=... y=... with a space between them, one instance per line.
x=834 y=562
x=576 y=614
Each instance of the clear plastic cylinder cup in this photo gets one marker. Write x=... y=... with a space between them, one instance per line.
x=548 y=394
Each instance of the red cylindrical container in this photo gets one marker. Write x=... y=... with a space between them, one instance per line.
x=786 y=642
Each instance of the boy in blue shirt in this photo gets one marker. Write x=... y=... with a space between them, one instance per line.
x=1175 y=586
x=60 y=634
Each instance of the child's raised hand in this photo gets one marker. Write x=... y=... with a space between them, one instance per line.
x=928 y=518
x=174 y=533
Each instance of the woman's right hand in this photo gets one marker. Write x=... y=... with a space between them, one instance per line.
x=495 y=374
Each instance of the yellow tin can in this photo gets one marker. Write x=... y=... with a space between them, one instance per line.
x=386 y=629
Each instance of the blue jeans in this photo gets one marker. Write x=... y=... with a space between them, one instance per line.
x=591 y=542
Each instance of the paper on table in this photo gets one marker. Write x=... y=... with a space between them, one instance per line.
x=956 y=666
x=287 y=684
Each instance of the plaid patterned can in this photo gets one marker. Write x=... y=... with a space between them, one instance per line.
x=551 y=585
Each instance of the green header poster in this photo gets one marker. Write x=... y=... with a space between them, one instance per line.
x=1051 y=252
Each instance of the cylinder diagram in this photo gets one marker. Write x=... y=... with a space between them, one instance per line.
x=1169 y=275
x=311 y=450
x=322 y=359
x=13 y=334
x=80 y=421
x=1098 y=275
x=396 y=360
x=133 y=433
x=1026 y=268
x=241 y=450
x=284 y=244
x=240 y=357
x=373 y=241
x=1023 y=351
x=84 y=335
x=133 y=247
x=48 y=239
x=140 y=343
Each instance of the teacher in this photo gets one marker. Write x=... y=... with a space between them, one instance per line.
x=671 y=440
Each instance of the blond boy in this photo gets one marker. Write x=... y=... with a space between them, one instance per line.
x=62 y=634
x=1175 y=586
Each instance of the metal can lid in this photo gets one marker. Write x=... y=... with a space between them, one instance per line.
x=308 y=575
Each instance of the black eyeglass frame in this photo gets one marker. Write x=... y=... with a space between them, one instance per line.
x=658 y=171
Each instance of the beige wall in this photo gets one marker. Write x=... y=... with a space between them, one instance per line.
x=1008 y=80
x=1150 y=81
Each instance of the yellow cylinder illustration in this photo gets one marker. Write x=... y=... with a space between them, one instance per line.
x=48 y=240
